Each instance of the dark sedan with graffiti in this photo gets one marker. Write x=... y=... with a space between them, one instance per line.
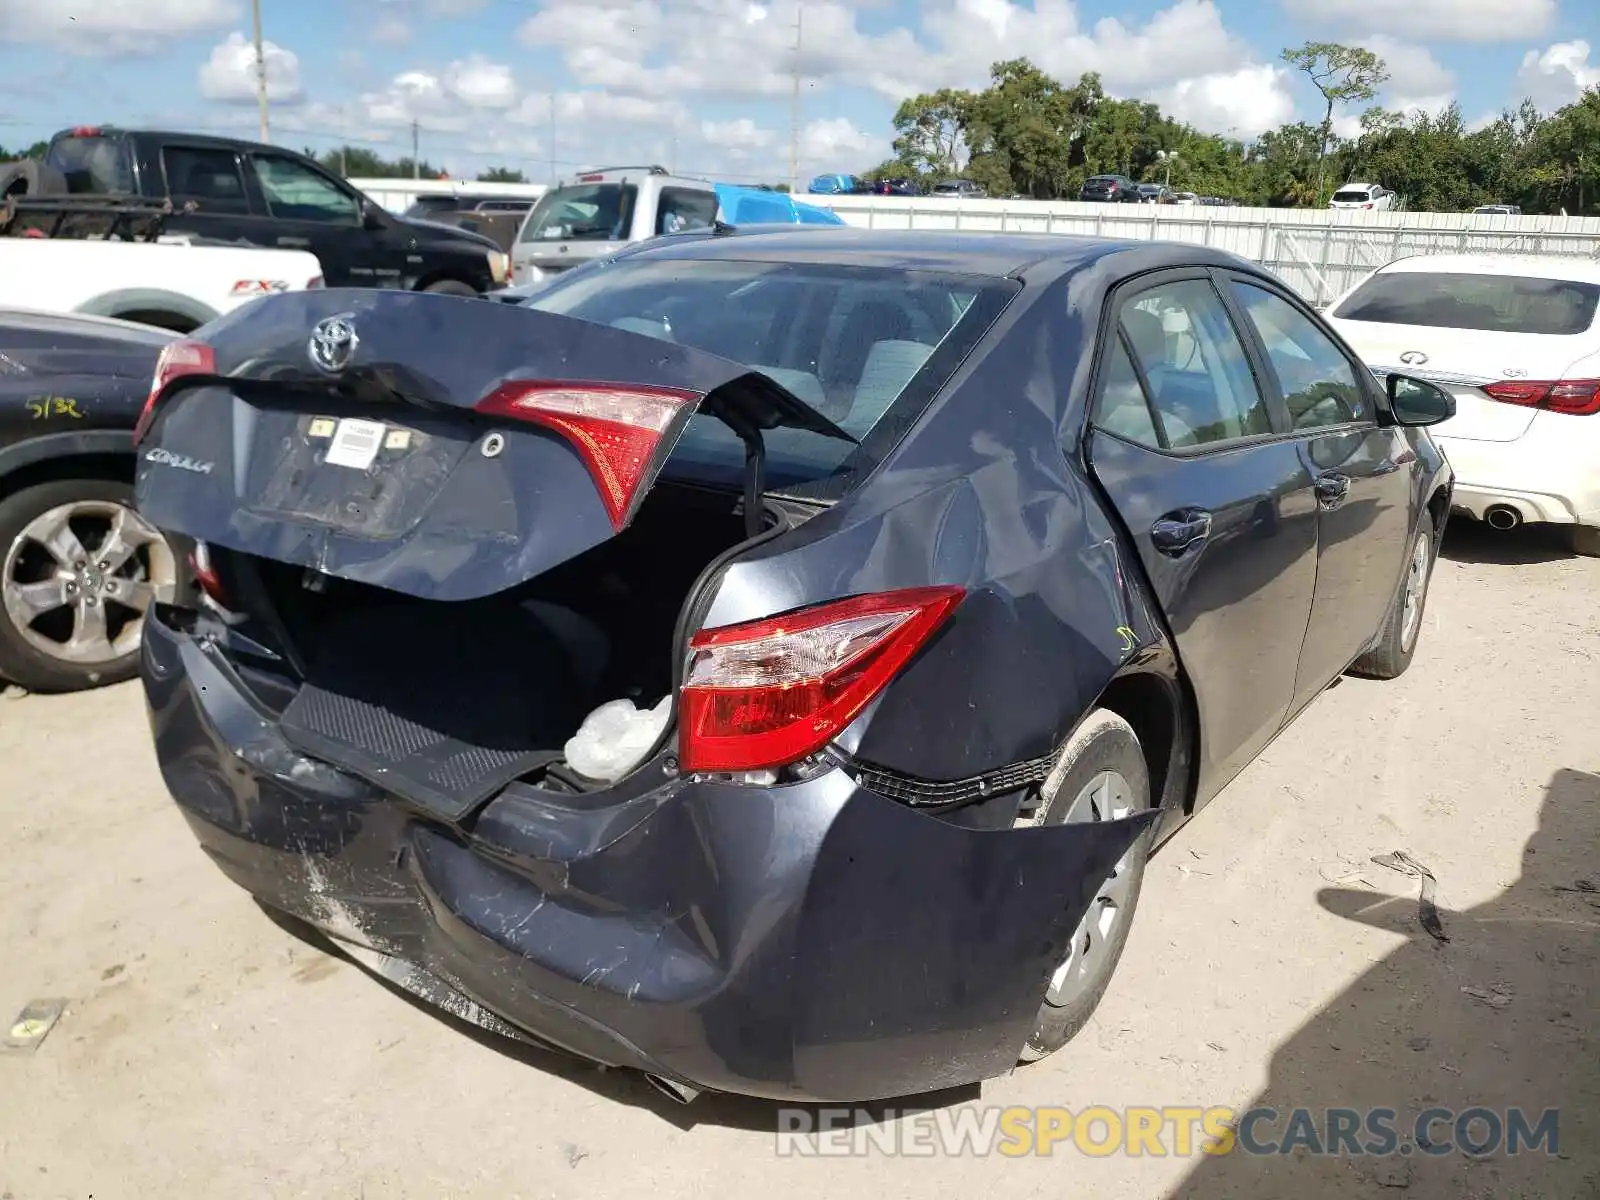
x=78 y=567
x=767 y=660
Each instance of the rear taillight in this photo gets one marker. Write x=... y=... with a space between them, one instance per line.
x=183 y=357
x=1367 y=205
x=1576 y=397
x=770 y=692
x=617 y=429
x=315 y=281
x=205 y=574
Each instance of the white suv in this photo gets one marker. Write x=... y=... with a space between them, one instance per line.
x=1516 y=339
x=1363 y=195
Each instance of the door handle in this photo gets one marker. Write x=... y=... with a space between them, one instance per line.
x=1332 y=490
x=1177 y=531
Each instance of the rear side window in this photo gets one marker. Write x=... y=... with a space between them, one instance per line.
x=866 y=347
x=1457 y=300
x=1320 y=387
x=93 y=165
x=209 y=177
x=593 y=212
x=1193 y=365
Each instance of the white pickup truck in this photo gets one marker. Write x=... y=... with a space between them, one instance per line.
x=173 y=283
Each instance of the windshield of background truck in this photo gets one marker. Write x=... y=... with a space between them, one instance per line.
x=600 y=212
x=852 y=342
x=93 y=164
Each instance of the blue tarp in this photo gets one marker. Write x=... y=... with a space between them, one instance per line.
x=755 y=206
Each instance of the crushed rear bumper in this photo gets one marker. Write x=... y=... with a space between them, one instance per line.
x=812 y=941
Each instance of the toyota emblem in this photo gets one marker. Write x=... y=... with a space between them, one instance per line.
x=333 y=343
x=1413 y=358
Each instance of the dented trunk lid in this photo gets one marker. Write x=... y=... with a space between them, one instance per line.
x=339 y=432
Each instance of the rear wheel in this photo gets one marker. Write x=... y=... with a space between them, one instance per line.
x=1100 y=776
x=78 y=570
x=1403 y=624
x=451 y=287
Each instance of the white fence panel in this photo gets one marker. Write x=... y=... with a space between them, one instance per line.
x=397 y=195
x=1319 y=252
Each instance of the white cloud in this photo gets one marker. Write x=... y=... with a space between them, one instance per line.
x=1241 y=103
x=479 y=83
x=1558 y=76
x=390 y=30
x=229 y=75
x=1414 y=74
x=445 y=101
x=739 y=138
x=837 y=140
x=112 y=27
x=1441 y=20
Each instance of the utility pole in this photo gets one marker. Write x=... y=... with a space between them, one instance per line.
x=552 y=139
x=794 y=105
x=261 y=68
x=416 y=163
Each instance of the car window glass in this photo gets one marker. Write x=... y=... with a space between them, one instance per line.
x=681 y=209
x=297 y=193
x=1319 y=383
x=1191 y=356
x=210 y=178
x=1123 y=408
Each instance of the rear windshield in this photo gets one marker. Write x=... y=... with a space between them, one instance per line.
x=1494 y=303
x=94 y=165
x=427 y=206
x=866 y=347
x=596 y=212
x=1354 y=195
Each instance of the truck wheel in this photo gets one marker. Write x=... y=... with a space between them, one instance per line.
x=451 y=287
x=1100 y=776
x=79 y=570
x=30 y=177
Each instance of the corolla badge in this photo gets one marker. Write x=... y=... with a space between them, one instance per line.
x=166 y=458
x=333 y=343
x=1413 y=358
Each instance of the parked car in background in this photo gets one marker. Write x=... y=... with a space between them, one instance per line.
x=1497 y=210
x=175 y=286
x=374 y=721
x=1117 y=189
x=79 y=568
x=895 y=187
x=836 y=185
x=1154 y=193
x=1185 y=198
x=595 y=213
x=244 y=192
x=1516 y=339
x=496 y=217
x=959 y=189
x=1362 y=195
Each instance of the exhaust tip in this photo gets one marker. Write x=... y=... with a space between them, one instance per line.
x=681 y=1092
x=1502 y=517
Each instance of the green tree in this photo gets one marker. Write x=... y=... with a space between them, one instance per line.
x=1343 y=75
x=502 y=175
x=357 y=162
x=928 y=134
x=36 y=150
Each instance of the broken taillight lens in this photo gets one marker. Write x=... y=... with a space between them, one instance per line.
x=617 y=429
x=183 y=357
x=1576 y=397
x=770 y=692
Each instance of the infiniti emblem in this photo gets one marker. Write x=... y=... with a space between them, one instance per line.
x=333 y=343
x=1413 y=358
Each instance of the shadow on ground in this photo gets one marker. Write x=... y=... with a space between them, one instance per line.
x=1469 y=541
x=1504 y=1015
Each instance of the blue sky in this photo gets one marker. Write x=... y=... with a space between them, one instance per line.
x=704 y=85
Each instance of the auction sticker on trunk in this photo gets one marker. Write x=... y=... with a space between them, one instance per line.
x=355 y=443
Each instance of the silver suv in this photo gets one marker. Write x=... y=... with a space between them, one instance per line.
x=597 y=212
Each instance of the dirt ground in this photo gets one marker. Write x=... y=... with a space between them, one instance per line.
x=207 y=1051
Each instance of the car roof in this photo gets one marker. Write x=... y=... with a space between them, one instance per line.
x=996 y=254
x=1537 y=266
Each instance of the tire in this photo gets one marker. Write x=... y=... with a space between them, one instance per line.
x=1103 y=746
x=66 y=625
x=1584 y=540
x=1398 y=641
x=451 y=287
x=30 y=177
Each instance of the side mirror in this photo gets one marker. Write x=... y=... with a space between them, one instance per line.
x=371 y=218
x=1417 y=402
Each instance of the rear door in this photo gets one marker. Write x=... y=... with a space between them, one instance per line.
x=212 y=180
x=1363 y=475
x=1218 y=503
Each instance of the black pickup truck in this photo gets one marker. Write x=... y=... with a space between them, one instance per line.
x=237 y=191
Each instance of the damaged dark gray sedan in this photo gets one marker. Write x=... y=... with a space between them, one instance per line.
x=767 y=660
